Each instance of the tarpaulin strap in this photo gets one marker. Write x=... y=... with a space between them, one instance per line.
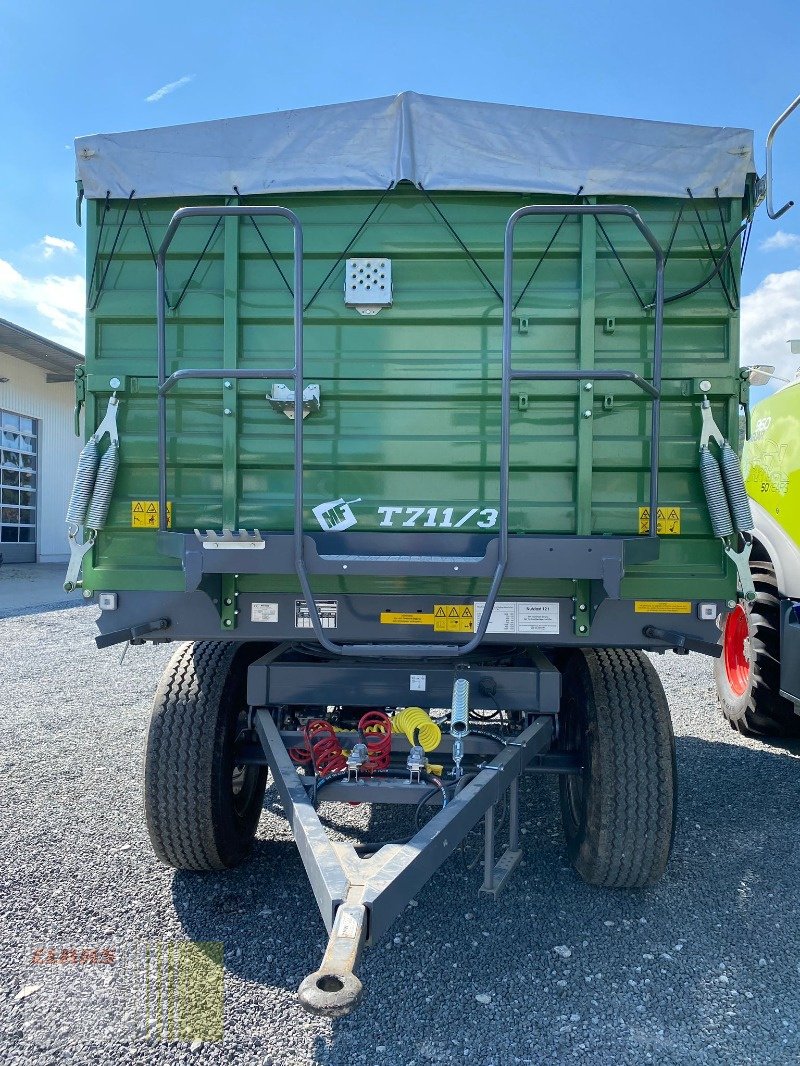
x=355 y=237
x=725 y=236
x=550 y=244
x=746 y=240
x=617 y=257
x=152 y=249
x=458 y=240
x=199 y=260
x=671 y=241
x=709 y=277
x=99 y=238
x=264 y=242
x=99 y=292
x=711 y=251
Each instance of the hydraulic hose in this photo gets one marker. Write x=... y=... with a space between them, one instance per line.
x=375 y=728
x=415 y=718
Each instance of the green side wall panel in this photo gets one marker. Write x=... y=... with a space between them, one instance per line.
x=410 y=397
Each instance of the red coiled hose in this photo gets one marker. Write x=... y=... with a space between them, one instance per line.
x=324 y=748
x=377 y=730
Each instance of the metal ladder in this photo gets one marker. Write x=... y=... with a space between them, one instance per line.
x=464 y=566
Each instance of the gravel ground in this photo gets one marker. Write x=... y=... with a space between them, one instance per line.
x=704 y=968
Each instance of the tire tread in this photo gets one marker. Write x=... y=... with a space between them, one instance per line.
x=180 y=751
x=630 y=823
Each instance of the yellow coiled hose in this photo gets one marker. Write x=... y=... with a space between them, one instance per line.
x=406 y=721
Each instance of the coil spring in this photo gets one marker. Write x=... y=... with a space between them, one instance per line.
x=714 y=489
x=459 y=719
x=737 y=493
x=406 y=721
x=376 y=728
x=103 y=488
x=323 y=744
x=84 y=483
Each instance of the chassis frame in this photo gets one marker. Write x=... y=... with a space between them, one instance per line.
x=359 y=897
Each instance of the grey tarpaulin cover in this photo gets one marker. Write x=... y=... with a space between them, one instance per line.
x=442 y=144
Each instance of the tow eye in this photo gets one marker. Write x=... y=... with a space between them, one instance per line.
x=333 y=990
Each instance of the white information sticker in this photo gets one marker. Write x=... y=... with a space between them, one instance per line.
x=328 y=611
x=418 y=682
x=264 y=612
x=528 y=618
x=537 y=617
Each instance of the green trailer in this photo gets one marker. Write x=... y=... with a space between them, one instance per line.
x=398 y=406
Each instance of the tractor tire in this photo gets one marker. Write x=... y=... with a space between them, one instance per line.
x=619 y=812
x=748 y=672
x=201 y=809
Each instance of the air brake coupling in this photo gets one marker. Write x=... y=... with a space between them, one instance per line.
x=416 y=762
x=355 y=760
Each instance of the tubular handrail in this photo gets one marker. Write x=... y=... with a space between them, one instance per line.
x=779 y=121
x=509 y=375
x=167 y=383
x=587 y=375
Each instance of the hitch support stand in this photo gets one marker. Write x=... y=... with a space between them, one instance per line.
x=359 y=898
x=496 y=874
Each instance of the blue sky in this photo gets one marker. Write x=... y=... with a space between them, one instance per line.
x=67 y=71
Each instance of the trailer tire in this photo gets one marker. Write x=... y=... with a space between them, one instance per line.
x=619 y=812
x=748 y=672
x=201 y=810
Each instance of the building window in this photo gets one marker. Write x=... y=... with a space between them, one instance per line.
x=18 y=472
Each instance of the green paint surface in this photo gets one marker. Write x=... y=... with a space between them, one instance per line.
x=410 y=398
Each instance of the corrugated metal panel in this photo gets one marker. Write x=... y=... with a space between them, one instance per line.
x=410 y=399
x=28 y=393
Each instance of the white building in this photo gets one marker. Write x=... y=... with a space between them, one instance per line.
x=39 y=446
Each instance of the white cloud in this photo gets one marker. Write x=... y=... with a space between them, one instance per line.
x=170 y=87
x=771 y=317
x=53 y=305
x=51 y=245
x=780 y=239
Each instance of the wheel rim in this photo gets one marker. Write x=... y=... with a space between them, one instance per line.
x=574 y=784
x=736 y=651
x=243 y=783
x=244 y=776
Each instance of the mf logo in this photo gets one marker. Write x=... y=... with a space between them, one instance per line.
x=336 y=515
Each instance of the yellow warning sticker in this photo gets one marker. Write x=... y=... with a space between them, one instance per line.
x=668 y=520
x=446 y=618
x=144 y=514
x=401 y=618
x=453 y=617
x=662 y=607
